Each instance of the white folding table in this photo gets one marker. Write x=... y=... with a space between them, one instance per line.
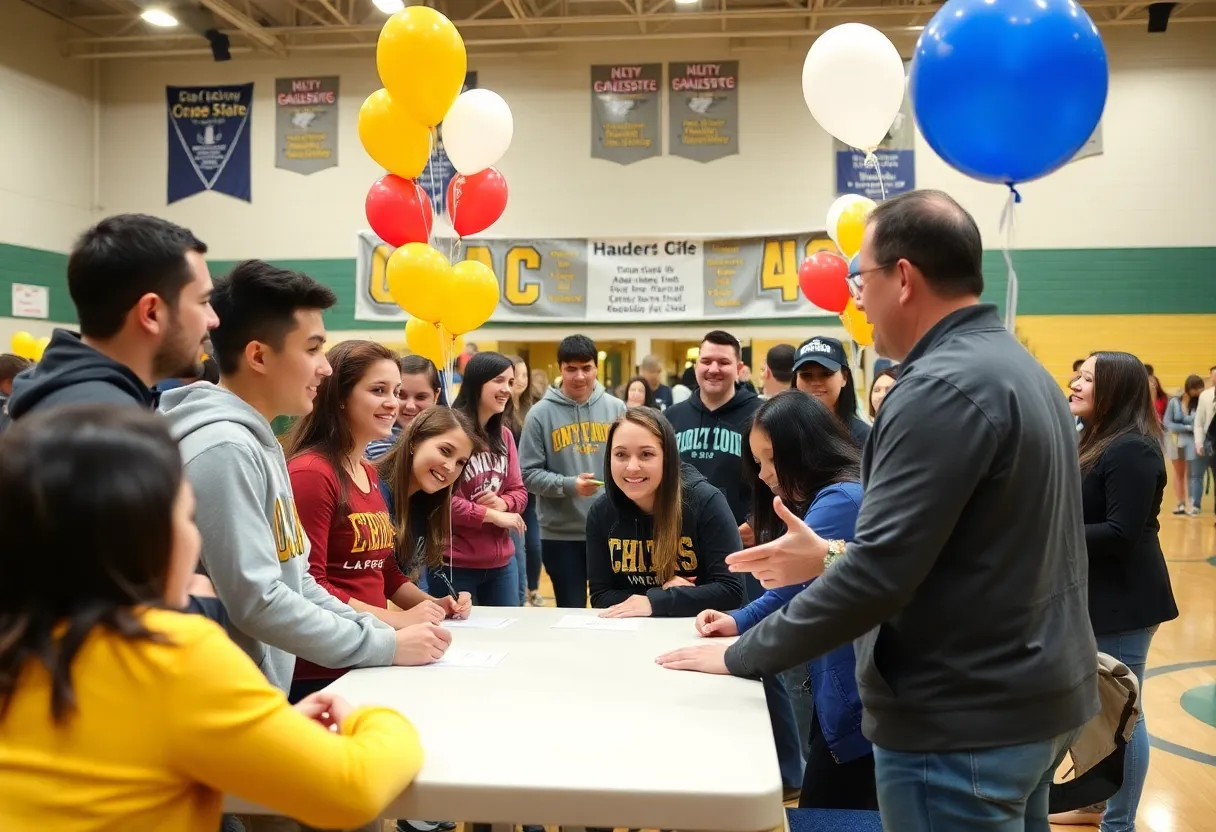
x=580 y=728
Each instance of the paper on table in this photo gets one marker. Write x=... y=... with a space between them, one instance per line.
x=480 y=623
x=590 y=622
x=455 y=657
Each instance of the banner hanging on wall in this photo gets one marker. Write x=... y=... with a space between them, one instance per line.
x=439 y=171
x=306 y=123
x=703 y=110
x=625 y=112
x=625 y=280
x=896 y=156
x=209 y=140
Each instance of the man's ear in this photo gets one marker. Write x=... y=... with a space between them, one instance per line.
x=150 y=314
x=256 y=355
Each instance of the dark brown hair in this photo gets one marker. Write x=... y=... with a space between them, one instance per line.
x=1122 y=405
x=325 y=429
x=416 y=365
x=887 y=372
x=525 y=400
x=114 y=474
x=1193 y=382
x=11 y=365
x=668 y=505
x=396 y=469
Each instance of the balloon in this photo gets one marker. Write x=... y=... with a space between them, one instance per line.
x=399 y=211
x=851 y=226
x=431 y=341
x=418 y=278
x=472 y=296
x=477 y=131
x=391 y=137
x=422 y=62
x=822 y=278
x=853 y=83
x=23 y=344
x=1007 y=91
x=40 y=347
x=476 y=202
x=857 y=325
x=837 y=208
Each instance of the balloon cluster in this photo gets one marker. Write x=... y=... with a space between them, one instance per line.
x=422 y=63
x=822 y=276
x=25 y=345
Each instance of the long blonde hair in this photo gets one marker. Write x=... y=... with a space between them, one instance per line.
x=396 y=469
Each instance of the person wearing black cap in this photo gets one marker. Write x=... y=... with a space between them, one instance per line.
x=821 y=369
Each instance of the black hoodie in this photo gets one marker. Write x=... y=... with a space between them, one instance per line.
x=619 y=562
x=714 y=441
x=71 y=372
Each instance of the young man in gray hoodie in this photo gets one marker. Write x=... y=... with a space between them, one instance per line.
x=270 y=350
x=561 y=454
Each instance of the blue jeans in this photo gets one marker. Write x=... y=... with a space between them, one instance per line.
x=521 y=565
x=495 y=587
x=990 y=790
x=532 y=544
x=1195 y=470
x=566 y=563
x=1131 y=648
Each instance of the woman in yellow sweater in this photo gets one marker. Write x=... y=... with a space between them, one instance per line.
x=118 y=713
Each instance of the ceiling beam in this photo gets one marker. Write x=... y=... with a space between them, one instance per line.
x=246 y=25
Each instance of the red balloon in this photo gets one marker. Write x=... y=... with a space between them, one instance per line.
x=822 y=278
x=476 y=202
x=399 y=211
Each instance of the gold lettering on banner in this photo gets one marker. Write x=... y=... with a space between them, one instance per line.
x=515 y=289
x=779 y=268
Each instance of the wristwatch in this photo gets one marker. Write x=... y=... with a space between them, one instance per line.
x=835 y=552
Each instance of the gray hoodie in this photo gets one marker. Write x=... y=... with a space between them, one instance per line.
x=562 y=439
x=254 y=549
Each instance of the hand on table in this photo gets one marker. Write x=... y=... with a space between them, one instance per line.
x=421 y=644
x=585 y=485
x=794 y=558
x=703 y=658
x=747 y=535
x=324 y=708
x=456 y=607
x=505 y=520
x=425 y=612
x=635 y=606
x=711 y=624
x=676 y=580
x=491 y=500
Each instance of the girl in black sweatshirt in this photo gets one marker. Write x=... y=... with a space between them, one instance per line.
x=658 y=537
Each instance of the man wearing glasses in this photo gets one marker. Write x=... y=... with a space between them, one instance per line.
x=966 y=582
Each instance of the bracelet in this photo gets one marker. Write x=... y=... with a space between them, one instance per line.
x=835 y=552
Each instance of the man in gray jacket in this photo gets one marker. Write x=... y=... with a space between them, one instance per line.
x=965 y=585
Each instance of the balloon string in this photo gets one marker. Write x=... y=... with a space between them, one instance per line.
x=872 y=160
x=1011 y=288
x=430 y=178
x=446 y=350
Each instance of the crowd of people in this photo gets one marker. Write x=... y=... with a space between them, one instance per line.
x=923 y=593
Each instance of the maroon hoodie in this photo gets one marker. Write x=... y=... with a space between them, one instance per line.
x=475 y=544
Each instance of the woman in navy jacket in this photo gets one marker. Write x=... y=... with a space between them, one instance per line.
x=804 y=455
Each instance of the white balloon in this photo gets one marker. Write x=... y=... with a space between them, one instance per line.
x=477 y=131
x=853 y=83
x=837 y=208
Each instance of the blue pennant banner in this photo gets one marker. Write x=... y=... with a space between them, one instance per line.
x=209 y=140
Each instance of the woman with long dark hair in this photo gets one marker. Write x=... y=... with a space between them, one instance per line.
x=1123 y=480
x=639 y=394
x=1188 y=465
x=337 y=492
x=802 y=456
x=658 y=537
x=489 y=500
x=106 y=688
x=883 y=381
x=821 y=369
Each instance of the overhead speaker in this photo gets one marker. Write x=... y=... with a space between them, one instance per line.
x=1159 y=16
x=221 y=47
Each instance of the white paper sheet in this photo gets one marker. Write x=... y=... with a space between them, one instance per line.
x=479 y=623
x=591 y=622
x=456 y=657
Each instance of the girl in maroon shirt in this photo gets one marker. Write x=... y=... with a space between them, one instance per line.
x=337 y=493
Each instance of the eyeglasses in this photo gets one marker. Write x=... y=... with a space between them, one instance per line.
x=854 y=282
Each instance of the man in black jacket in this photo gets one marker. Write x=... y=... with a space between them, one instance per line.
x=966 y=583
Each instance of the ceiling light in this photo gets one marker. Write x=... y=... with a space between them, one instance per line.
x=687 y=2
x=158 y=17
x=389 y=6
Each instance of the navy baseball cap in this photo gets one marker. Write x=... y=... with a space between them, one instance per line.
x=826 y=352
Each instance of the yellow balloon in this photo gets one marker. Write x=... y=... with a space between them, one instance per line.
x=394 y=140
x=857 y=325
x=422 y=62
x=23 y=344
x=431 y=341
x=472 y=295
x=851 y=226
x=40 y=347
x=418 y=279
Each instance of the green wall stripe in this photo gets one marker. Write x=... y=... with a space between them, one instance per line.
x=39 y=268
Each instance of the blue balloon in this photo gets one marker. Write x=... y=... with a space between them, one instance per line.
x=855 y=264
x=1008 y=90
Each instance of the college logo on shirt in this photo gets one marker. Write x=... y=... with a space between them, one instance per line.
x=586 y=437
x=373 y=530
x=707 y=443
x=635 y=558
x=288 y=533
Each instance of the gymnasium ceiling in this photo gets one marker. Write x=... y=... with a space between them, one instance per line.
x=113 y=29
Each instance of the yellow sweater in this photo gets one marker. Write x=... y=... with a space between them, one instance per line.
x=161 y=732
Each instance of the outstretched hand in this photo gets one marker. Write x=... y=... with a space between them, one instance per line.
x=794 y=558
x=703 y=658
